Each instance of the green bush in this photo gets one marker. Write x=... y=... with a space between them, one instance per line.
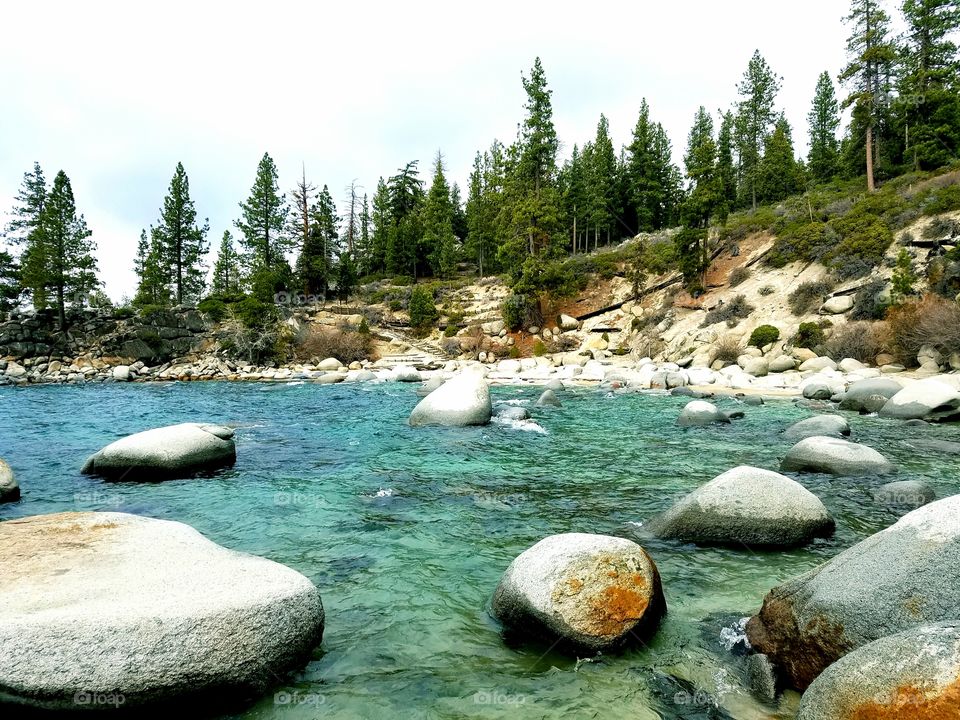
x=214 y=308
x=450 y=330
x=809 y=335
x=764 y=335
x=514 y=352
x=514 y=311
x=767 y=290
x=808 y=296
x=364 y=327
x=539 y=348
x=423 y=313
x=738 y=276
x=402 y=280
x=869 y=302
x=942 y=200
x=123 y=312
x=151 y=312
x=730 y=312
x=254 y=313
x=396 y=304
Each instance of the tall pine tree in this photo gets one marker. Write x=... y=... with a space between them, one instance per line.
x=438 y=237
x=381 y=221
x=262 y=220
x=779 y=176
x=25 y=230
x=182 y=240
x=823 y=121
x=758 y=91
x=226 y=270
x=316 y=262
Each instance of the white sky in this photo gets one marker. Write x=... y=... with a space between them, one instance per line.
x=116 y=93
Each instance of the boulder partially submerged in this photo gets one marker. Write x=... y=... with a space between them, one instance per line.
x=835 y=456
x=589 y=592
x=698 y=413
x=746 y=506
x=174 y=451
x=462 y=400
x=9 y=488
x=894 y=580
x=913 y=674
x=864 y=395
x=150 y=610
x=929 y=399
x=548 y=398
x=822 y=425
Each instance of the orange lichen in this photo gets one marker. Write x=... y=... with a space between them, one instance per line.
x=576 y=585
x=615 y=607
x=911 y=703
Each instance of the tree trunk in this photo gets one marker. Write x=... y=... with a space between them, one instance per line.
x=869 y=150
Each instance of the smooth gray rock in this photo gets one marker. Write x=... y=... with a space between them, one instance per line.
x=430 y=385
x=914 y=674
x=462 y=400
x=698 y=413
x=835 y=456
x=513 y=412
x=817 y=391
x=101 y=603
x=894 y=580
x=762 y=677
x=405 y=373
x=331 y=378
x=932 y=445
x=555 y=385
x=9 y=489
x=819 y=425
x=566 y=322
x=690 y=392
x=782 y=363
x=548 y=399
x=121 y=373
x=167 y=452
x=330 y=364
x=746 y=506
x=928 y=399
x=816 y=364
x=590 y=592
x=864 y=392
x=905 y=493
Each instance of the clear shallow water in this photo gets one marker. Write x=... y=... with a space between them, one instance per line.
x=407 y=531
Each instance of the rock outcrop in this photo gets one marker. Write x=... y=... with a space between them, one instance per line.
x=835 y=456
x=462 y=400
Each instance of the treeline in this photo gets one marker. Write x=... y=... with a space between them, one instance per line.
x=524 y=211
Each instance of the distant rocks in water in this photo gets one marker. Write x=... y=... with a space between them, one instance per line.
x=331 y=378
x=894 y=580
x=590 y=592
x=462 y=400
x=548 y=398
x=869 y=395
x=698 y=413
x=360 y=376
x=914 y=674
x=168 y=452
x=405 y=373
x=928 y=399
x=690 y=392
x=905 y=493
x=746 y=506
x=513 y=412
x=824 y=425
x=430 y=385
x=835 y=456
x=9 y=489
x=555 y=385
x=113 y=604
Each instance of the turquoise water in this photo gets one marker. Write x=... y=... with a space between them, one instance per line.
x=406 y=531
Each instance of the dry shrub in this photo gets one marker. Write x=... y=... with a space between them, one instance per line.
x=738 y=276
x=342 y=343
x=727 y=349
x=730 y=312
x=930 y=320
x=808 y=296
x=858 y=340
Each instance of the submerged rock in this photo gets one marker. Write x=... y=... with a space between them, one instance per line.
x=835 y=456
x=548 y=399
x=555 y=385
x=822 y=425
x=913 y=674
x=929 y=399
x=894 y=580
x=9 y=489
x=405 y=373
x=462 y=400
x=746 y=506
x=591 y=592
x=698 y=413
x=905 y=493
x=101 y=603
x=168 y=452
x=513 y=412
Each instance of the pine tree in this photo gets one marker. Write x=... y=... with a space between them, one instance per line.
x=871 y=55
x=382 y=221
x=479 y=243
x=153 y=271
x=823 y=120
x=69 y=271
x=459 y=213
x=700 y=159
x=667 y=209
x=183 y=242
x=346 y=275
x=298 y=222
x=438 y=239
x=726 y=171
x=602 y=182
x=779 y=176
x=9 y=282
x=28 y=210
x=263 y=217
x=351 y=219
x=403 y=239
x=315 y=265
x=363 y=248
x=929 y=102
x=758 y=91
x=226 y=271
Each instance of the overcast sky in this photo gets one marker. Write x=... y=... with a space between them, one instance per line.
x=116 y=93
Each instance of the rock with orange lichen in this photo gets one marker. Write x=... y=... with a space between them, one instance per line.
x=913 y=675
x=899 y=578
x=589 y=592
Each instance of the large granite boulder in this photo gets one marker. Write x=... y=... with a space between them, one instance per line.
x=548 y=398
x=928 y=399
x=698 y=413
x=824 y=425
x=168 y=452
x=9 y=489
x=861 y=395
x=462 y=400
x=589 y=592
x=746 y=506
x=913 y=674
x=894 y=580
x=835 y=456
x=110 y=604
